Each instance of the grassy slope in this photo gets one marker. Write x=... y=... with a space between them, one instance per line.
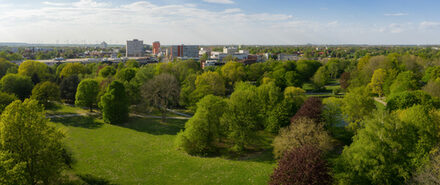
x=142 y=152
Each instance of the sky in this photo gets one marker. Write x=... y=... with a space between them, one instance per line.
x=223 y=22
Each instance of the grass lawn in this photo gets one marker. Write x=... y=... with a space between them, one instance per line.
x=60 y=109
x=142 y=152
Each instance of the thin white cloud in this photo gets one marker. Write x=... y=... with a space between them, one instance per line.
x=396 y=14
x=429 y=25
x=220 y=1
x=232 y=10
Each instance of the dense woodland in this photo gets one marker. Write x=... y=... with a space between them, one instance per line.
x=381 y=126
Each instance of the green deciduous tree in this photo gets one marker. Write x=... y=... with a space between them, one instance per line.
x=433 y=88
x=86 y=94
x=408 y=99
x=405 y=81
x=37 y=71
x=126 y=74
x=6 y=99
x=46 y=92
x=242 y=115
x=5 y=66
x=17 y=84
x=68 y=87
x=72 y=69
x=204 y=128
x=107 y=71
x=377 y=82
x=320 y=78
x=356 y=105
x=114 y=104
x=233 y=72
x=25 y=133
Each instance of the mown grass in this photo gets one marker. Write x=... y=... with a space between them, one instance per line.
x=142 y=151
x=60 y=109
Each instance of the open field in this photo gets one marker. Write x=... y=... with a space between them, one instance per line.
x=142 y=152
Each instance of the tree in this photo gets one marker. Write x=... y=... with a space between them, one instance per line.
x=17 y=84
x=345 y=80
x=242 y=116
x=68 y=88
x=205 y=84
x=11 y=171
x=320 y=78
x=107 y=71
x=306 y=68
x=72 y=69
x=377 y=82
x=131 y=63
x=25 y=133
x=433 y=88
x=46 y=92
x=431 y=73
x=161 y=92
x=86 y=94
x=114 y=104
x=5 y=66
x=429 y=174
x=126 y=74
x=302 y=166
x=408 y=99
x=304 y=131
x=332 y=112
x=37 y=71
x=204 y=128
x=6 y=99
x=233 y=72
x=405 y=81
x=357 y=104
x=389 y=147
x=269 y=95
x=312 y=108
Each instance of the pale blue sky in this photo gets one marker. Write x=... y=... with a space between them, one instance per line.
x=221 y=21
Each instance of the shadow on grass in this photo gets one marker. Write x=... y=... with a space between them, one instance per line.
x=155 y=126
x=93 y=180
x=79 y=121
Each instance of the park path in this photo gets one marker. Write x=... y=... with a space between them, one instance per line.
x=136 y=115
x=380 y=100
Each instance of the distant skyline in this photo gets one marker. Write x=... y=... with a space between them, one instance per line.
x=222 y=22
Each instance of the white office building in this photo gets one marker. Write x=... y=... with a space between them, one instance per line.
x=135 y=48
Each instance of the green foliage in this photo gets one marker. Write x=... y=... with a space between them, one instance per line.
x=188 y=87
x=269 y=96
x=25 y=133
x=6 y=66
x=86 y=94
x=307 y=68
x=377 y=82
x=206 y=83
x=45 y=93
x=389 y=148
x=204 y=128
x=107 y=71
x=72 y=69
x=242 y=116
x=408 y=99
x=114 y=104
x=6 y=99
x=405 y=81
x=320 y=78
x=332 y=112
x=132 y=64
x=431 y=73
x=37 y=71
x=433 y=88
x=126 y=74
x=233 y=72
x=11 y=171
x=17 y=84
x=68 y=88
x=302 y=132
x=357 y=104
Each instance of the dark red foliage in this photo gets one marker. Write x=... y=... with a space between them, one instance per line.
x=312 y=108
x=301 y=166
x=344 y=80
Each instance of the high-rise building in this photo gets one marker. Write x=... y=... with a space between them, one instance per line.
x=134 y=48
x=156 y=47
x=183 y=51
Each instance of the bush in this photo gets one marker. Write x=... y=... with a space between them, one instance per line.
x=302 y=132
x=302 y=166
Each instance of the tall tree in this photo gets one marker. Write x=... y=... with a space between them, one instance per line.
x=86 y=94
x=37 y=71
x=114 y=104
x=356 y=105
x=72 y=69
x=68 y=87
x=17 y=84
x=161 y=92
x=45 y=93
x=377 y=82
x=204 y=128
x=25 y=133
